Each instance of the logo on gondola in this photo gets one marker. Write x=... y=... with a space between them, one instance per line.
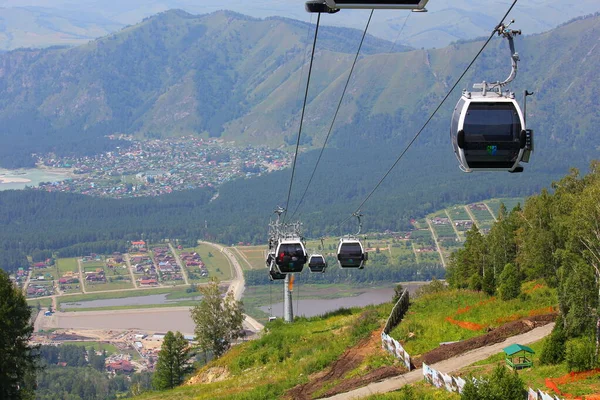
x=492 y=150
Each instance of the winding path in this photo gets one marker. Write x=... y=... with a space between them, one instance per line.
x=447 y=366
x=437 y=244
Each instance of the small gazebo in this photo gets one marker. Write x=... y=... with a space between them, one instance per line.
x=518 y=356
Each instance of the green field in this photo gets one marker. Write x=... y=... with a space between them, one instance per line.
x=444 y=231
x=116 y=285
x=217 y=265
x=437 y=318
x=65 y=265
x=98 y=346
x=253 y=255
x=44 y=303
x=458 y=213
x=509 y=203
x=402 y=252
x=483 y=217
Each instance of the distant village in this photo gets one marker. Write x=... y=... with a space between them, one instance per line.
x=156 y=167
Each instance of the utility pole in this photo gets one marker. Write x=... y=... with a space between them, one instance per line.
x=288 y=308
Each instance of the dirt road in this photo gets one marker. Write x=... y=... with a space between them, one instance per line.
x=238 y=284
x=447 y=366
x=181 y=266
x=437 y=244
x=130 y=268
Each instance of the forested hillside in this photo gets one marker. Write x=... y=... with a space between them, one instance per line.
x=378 y=119
x=555 y=237
x=172 y=74
x=229 y=75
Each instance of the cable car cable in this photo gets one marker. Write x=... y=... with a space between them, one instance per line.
x=432 y=114
x=335 y=115
x=312 y=58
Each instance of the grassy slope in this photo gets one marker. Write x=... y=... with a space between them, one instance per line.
x=284 y=357
x=535 y=377
x=426 y=324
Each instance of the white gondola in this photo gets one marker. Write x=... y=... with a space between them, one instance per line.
x=488 y=128
x=331 y=6
x=351 y=253
x=317 y=263
x=290 y=256
x=274 y=274
x=489 y=134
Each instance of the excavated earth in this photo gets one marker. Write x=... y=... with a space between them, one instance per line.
x=354 y=356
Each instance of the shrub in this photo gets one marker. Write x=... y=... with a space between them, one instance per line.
x=475 y=282
x=434 y=286
x=553 y=351
x=510 y=283
x=579 y=354
x=502 y=384
x=366 y=323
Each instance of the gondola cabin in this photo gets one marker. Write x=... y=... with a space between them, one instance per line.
x=275 y=275
x=291 y=256
x=317 y=263
x=489 y=134
x=322 y=6
x=351 y=253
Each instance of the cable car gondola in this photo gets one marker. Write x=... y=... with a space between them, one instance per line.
x=275 y=275
x=351 y=253
x=488 y=128
x=488 y=133
x=333 y=6
x=291 y=256
x=317 y=263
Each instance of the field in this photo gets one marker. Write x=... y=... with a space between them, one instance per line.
x=483 y=217
x=510 y=203
x=458 y=213
x=460 y=314
x=216 y=263
x=65 y=265
x=402 y=252
x=444 y=231
x=250 y=257
x=576 y=385
x=44 y=303
x=97 y=346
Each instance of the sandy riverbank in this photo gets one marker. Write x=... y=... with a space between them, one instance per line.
x=4 y=179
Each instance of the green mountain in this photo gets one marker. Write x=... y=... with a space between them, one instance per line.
x=241 y=78
x=173 y=74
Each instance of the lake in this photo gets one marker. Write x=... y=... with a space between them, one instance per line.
x=17 y=179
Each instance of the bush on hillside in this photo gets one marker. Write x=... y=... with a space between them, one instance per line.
x=553 y=351
x=501 y=385
x=510 y=283
x=434 y=286
x=580 y=354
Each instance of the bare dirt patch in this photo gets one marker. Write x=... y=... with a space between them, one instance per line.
x=349 y=361
x=215 y=374
x=494 y=336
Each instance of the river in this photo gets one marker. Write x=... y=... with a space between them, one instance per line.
x=20 y=178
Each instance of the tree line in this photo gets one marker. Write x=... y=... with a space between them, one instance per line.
x=555 y=236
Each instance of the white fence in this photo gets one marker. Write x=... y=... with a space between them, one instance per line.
x=457 y=384
x=390 y=344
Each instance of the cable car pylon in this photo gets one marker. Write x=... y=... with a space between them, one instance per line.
x=286 y=255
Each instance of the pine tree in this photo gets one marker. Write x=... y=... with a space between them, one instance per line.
x=16 y=359
x=172 y=362
x=218 y=320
